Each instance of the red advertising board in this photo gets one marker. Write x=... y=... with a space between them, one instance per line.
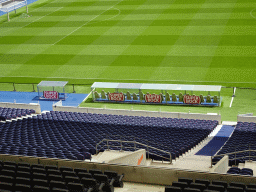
x=153 y=98
x=51 y=94
x=116 y=96
x=189 y=99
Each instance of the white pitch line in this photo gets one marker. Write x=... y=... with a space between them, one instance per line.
x=252 y=14
x=131 y=79
x=31 y=22
x=232 y=98
x=87 y=22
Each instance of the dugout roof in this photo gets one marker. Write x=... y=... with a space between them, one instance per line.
x=156 y=86
x=52 y=84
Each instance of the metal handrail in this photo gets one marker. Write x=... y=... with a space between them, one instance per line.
x=134 y=142
x=107 y=135
x=236 y=152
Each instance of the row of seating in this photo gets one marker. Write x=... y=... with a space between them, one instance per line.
x=244 y=171
x=74 y=136
x=203 y=185
x=9 y=113
x=25 y=178
x=243 y=138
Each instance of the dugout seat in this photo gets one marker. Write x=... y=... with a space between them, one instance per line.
x=174 y=98
x=208 y=99
x=103 y=94
x=181 y=97
x=215 y=99
x=134 y=96
x=128 y=96
x=167 y=96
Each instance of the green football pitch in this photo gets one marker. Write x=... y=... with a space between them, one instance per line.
x=167 y=41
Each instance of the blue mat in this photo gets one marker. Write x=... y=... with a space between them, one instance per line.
x=217 y=142
x=31 y=97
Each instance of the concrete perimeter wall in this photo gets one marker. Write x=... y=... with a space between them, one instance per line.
x=139 y=113
x=34 y=106
x=140 y=174
x=221 y=166
x=246 y=118
x=135 y=158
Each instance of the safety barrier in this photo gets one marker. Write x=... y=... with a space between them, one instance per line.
x=34 y=106
x=140 y=113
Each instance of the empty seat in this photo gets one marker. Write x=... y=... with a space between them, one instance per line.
x=57 y=184
x=77 y=170
x=51 y=167
x=8 y=173
x=41 y=176
x=75 y=187
x=118 y=178
x=172 y=189
x=69 y=173
x=95 y=171
x=10 y=167
x=6 y=179
x=37 y=166
x=222 y=183
x=86 y=175
x=66 y=169
x=6 y=186
x=59 y=190
x=23 y=174
x=251 y=186
x=41 y=189
x=23 y=164
x=219 y=188
x=55 y=177
x=191 y=190
x=24 y=169
x=108 y=186
x=206 y=182
x=10 y=163
x=40 y=182
x=22 y=188
x=182 y=185
x=38 y=170
x=234 y=189
x=199 y=186
x=250 y=190
x=53 y=172
x=21 y=180
x=186 y=180
x=92 y=183
x=69 y=179
x=237 y=184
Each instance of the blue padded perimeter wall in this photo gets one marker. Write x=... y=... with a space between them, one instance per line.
x=217 y=142
x=28 y=2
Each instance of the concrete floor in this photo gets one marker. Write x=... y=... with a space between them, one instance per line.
x=138 y=187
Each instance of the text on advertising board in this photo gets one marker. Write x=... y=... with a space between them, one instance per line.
x=116 y=96
x=191 y=99
x=153 y=98
x=51 y=94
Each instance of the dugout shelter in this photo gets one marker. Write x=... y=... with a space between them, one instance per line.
x=176 y=94
x=8 y=6
x=52 y=90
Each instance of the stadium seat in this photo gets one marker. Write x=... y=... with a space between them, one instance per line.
x=172 y=189
x=108 y=186
x=114 y=175
x=206 y=182
x=186 y=180
x=182 y=185
x=167 y=97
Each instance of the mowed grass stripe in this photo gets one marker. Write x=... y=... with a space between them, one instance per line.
x=133 y=30
x=145 y=50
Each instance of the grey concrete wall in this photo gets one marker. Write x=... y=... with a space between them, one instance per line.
x=140 y=113
x=131 y=159
x=34 y=106
x=140 y=174
x=221 y=166
x=246 y=118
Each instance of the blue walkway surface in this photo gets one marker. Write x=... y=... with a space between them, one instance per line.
x=28 y=2
x=217 y=142
x=31 y=97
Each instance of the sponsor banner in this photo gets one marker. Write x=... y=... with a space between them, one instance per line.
x=116 y=96
x=189 y=99
x=51 y=94
x=153 y=98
